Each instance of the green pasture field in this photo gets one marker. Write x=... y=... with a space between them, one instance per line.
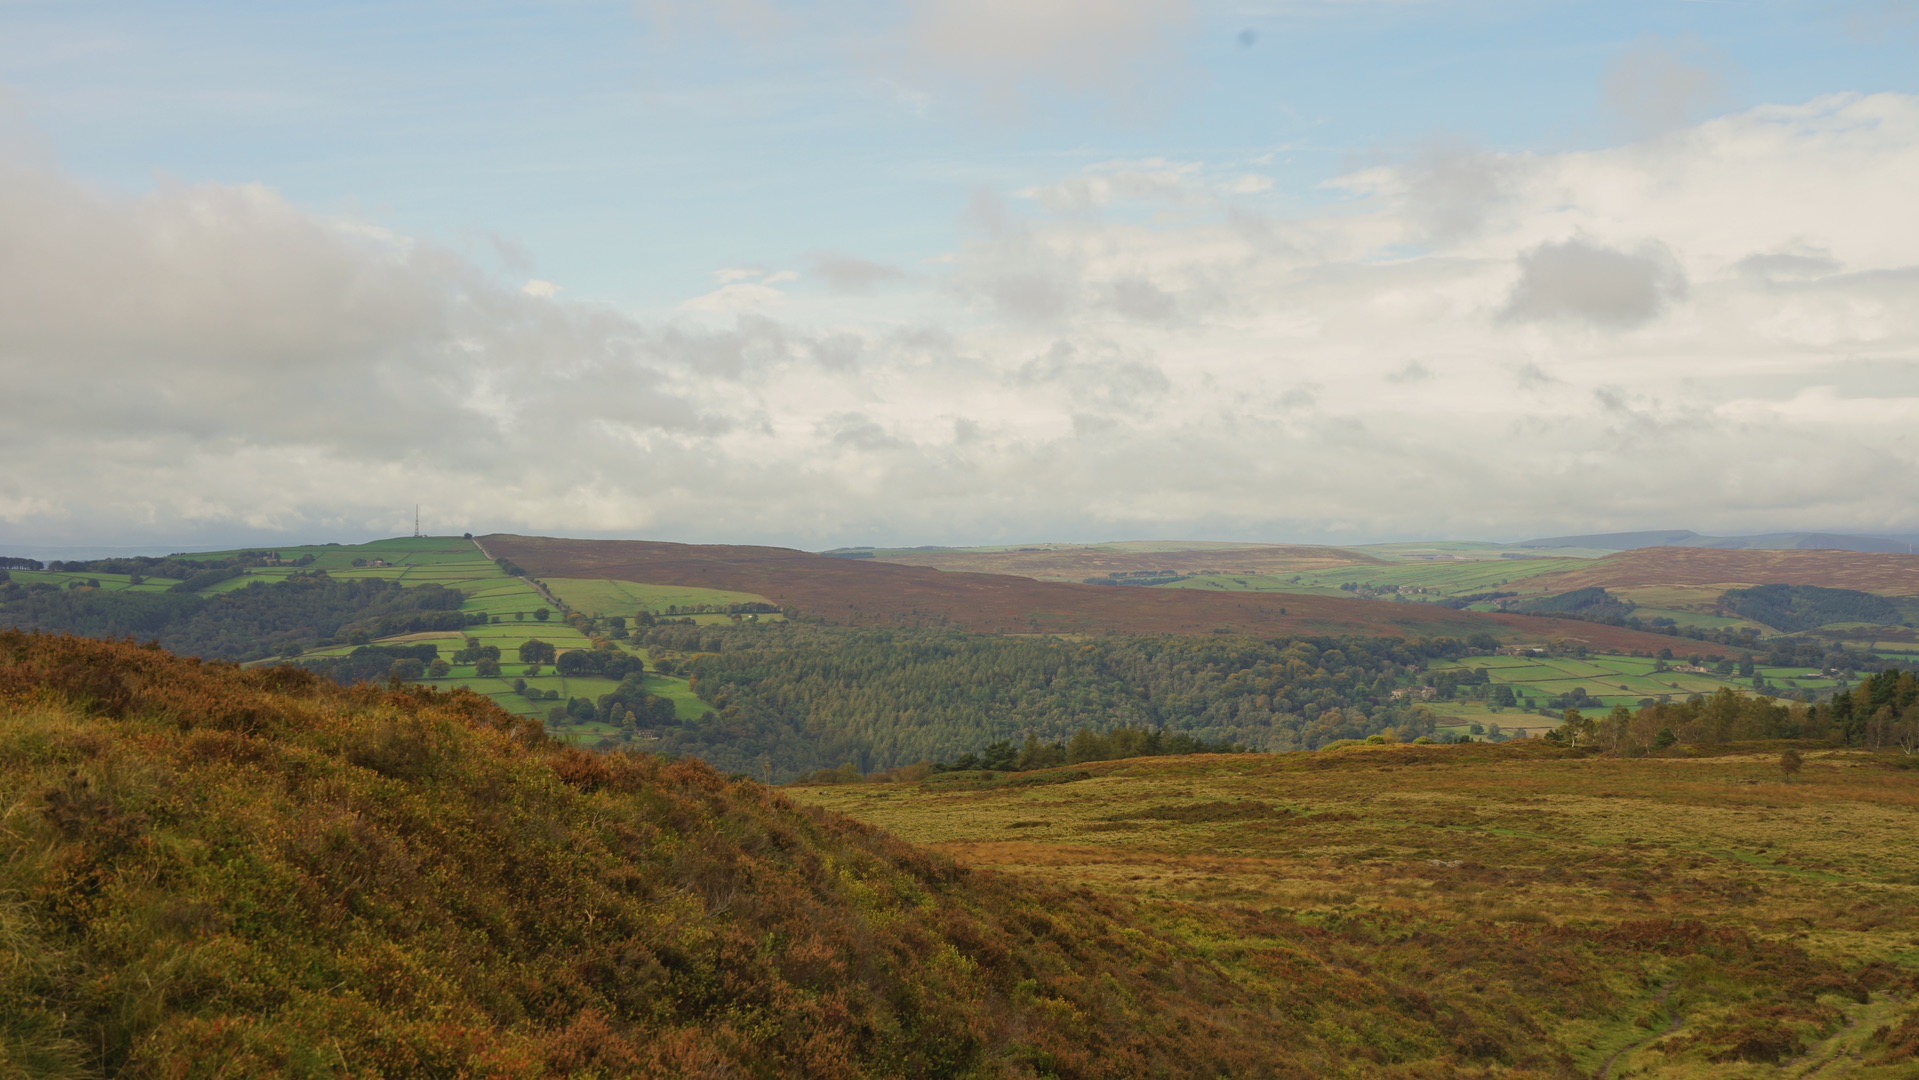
x=686 y=706
x=1614 y=680
x=108 y=582
x=1457 y=715
x=603 y=597
x=1440 y=580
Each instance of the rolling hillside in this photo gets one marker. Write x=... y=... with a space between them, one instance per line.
x=1554 y=915
x=863 y=592
x=1078 y=562
x=1882 y=574
x=205 y=871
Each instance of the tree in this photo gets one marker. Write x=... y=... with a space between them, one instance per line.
x=1905 y=732
x=487 y=668
x=535 y=651
x=1790 y=763
x=439 y=669
x=542 y=615
x=407 y=670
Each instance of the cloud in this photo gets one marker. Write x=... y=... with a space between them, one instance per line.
x=1003 y=48
x=847 y=274
x=1140 y=299
x=216 y=363
x=1452 y=186
x=1658 y=86
x=1580 y=281
x=545 y=290
x=1004 y=55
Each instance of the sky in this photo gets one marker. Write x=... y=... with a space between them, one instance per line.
x=956 y=271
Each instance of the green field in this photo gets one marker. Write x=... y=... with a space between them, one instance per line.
x=602 y=597
x=1613 y=680
x=509 y=602
x=1421 y=580
x=108 y=582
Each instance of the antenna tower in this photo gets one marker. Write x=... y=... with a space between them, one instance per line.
x=416 y=521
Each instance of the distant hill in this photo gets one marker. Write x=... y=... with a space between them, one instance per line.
x=262 y=874
x=1879 y=574
x=1081 y=562
x=1788 y=541
x=870 y=592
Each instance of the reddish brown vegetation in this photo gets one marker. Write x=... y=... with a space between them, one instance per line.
x=861 y=592
x=1886 y=575
x=257 y=873
x=1077 y=563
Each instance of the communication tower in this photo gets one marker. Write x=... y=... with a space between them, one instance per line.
x=416 y=521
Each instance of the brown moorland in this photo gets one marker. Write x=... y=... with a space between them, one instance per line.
x=1078 y=562
x=1681 y=917
x=1886 y=575
x=213 y=872
x=863 y=592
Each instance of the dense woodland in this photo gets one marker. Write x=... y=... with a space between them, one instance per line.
x=1794 y=608
x=260 y=620
x=802 y=698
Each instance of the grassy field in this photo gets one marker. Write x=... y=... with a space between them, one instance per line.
x=603 y=596
x=108 y=582
x=1614 y=680
x=1695 y=918
x=1418 y=580
x=510 y=603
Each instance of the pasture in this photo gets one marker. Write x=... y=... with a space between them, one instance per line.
x=1613 y=680
x=108 y=582
x=607 y=596
x=1674 y=918
x=1417 y=580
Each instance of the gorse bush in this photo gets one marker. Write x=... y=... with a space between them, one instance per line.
x=211 y=871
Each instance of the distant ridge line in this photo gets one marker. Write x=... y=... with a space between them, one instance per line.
x=1686 y=538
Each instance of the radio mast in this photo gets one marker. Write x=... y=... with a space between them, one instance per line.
x=416 y=521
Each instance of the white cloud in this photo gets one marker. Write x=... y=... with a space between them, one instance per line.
x=1521 y=360
x=545 y=290
x=1002 y=54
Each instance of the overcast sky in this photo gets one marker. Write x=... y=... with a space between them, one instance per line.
x=956 y=271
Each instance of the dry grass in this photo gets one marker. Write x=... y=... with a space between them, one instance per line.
x=1520 y=887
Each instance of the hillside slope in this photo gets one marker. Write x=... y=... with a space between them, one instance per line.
x=1688 y=917
x=862 y=592
x=1078 y=562
x=1882 y=574
x=218 y=872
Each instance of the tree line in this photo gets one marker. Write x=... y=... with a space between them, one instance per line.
x=1881 y=713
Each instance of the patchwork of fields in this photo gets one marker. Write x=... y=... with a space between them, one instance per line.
x=512 y=606
x=1613 y=680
